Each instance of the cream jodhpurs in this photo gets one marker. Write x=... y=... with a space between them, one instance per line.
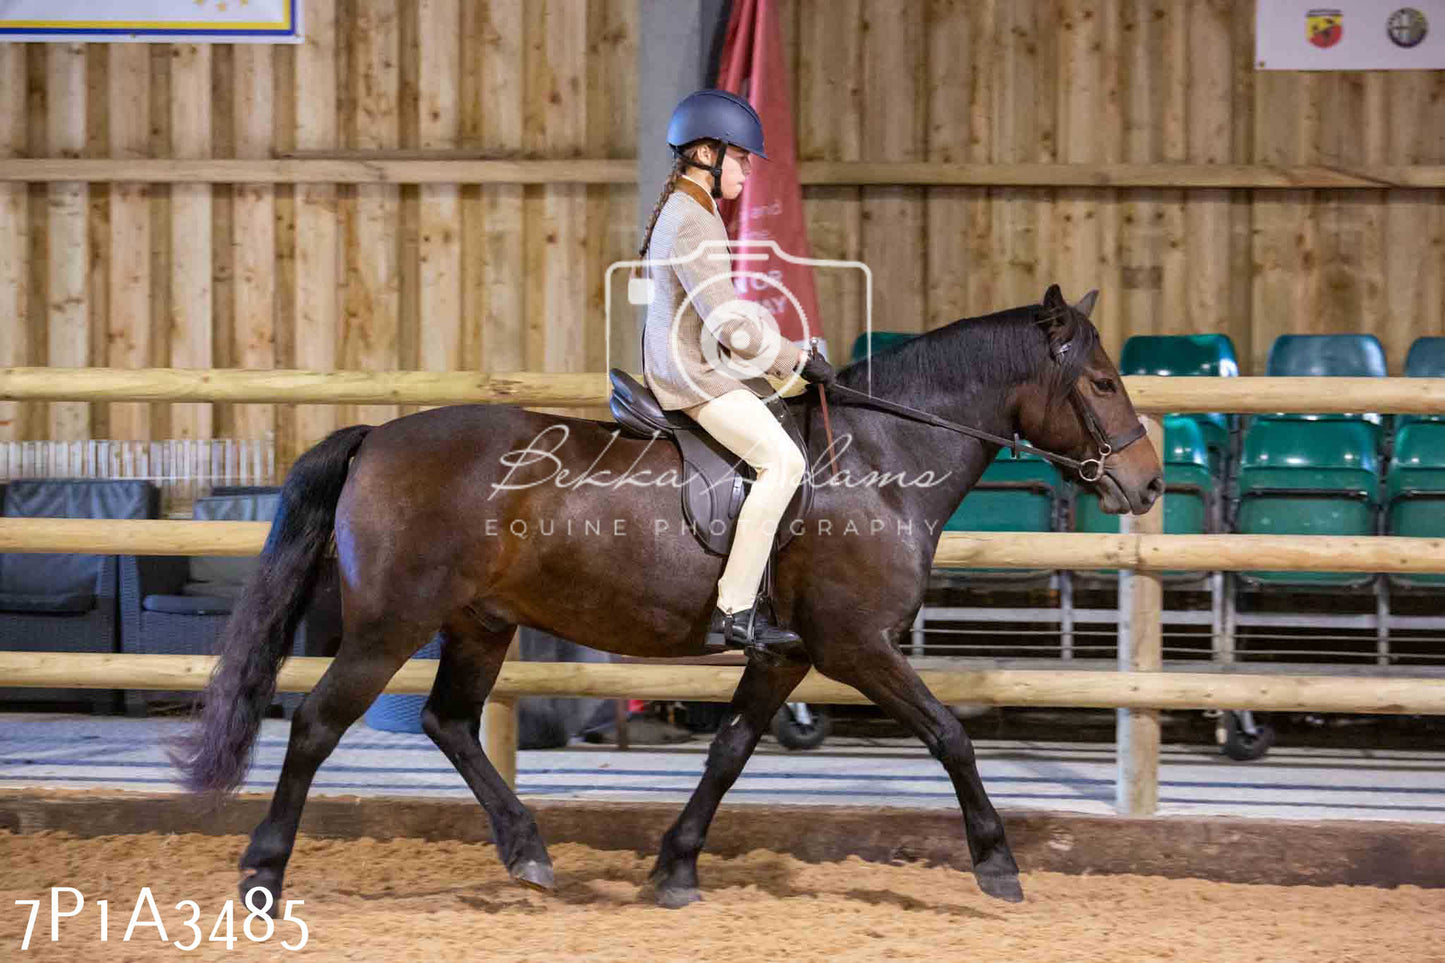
x=741 y=421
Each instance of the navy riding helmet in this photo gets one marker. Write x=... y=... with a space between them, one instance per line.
x=715 y=115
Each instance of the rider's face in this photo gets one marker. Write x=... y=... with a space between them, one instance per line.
x=737 y=165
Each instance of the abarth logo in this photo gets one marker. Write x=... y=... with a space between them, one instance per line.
x=1324 y=28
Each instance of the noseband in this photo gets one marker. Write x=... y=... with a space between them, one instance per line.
x=1090 y=469
x=1104 y=443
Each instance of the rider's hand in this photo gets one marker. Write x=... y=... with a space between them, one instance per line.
x=817 y=369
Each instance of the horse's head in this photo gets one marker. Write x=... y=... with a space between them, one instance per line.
x=1079 y=408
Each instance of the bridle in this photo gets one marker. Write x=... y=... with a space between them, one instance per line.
x=1090 y=469
x=1104 y=443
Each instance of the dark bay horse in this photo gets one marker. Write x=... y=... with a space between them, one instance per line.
x=441 y=526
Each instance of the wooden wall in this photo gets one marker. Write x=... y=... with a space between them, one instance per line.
x=507 y=277
x=366 y=277
x=1140 y=81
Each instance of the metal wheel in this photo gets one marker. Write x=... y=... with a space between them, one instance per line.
x=1241 y=738
x=797 y=726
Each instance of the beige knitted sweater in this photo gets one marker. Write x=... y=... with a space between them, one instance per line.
x=688 y=318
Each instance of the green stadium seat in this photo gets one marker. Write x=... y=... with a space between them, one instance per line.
x=1415 y=491
x=1189 y=490
x=1415 y=485
x=1327 y=355
x=1308 y=478
x=1426 y=359
x=1014 y=495
x=1207 y=355
x=868 y=342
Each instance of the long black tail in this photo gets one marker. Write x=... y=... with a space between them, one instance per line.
x=215 y=753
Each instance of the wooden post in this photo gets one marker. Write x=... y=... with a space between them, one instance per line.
x=253 y=233
x=129 y=284
x=494 y=316
x=318 y=261
x=499 y=729
x=1141 y=600
x=830 y=117
x=439 y=55
x=893 y=127
x=15 y=238
x=67 y=264
x=372 y=305
x=191 y=294
x=555 y=242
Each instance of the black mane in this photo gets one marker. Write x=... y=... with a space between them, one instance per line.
x=1004 y=348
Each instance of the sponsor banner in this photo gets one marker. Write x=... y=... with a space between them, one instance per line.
x=1349 y=35
x=152 y=21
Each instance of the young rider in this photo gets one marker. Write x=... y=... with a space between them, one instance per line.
x=698 y=345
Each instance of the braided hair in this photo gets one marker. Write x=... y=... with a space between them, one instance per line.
x=683 y=159
x=668 y=186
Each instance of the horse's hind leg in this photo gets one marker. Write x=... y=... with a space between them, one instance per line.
x=760 y=693
x=471 y=658
x=367 y=660
x=882 y=674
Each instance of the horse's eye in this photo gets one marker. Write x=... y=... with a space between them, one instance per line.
x=1105 y=385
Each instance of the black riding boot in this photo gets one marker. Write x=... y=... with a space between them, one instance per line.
x=751 y=629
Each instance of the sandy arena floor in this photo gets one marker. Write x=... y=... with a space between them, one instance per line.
x=408 y=900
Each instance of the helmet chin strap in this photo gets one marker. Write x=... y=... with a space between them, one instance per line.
x=715 y=168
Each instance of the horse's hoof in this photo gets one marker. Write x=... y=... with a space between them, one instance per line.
x=259 y=900
x=1001 y=886
x=535 y=875
x=678 y=896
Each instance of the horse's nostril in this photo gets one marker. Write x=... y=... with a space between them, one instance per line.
x=1155 y=488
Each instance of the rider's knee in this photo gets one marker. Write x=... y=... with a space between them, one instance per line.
x=783 y=466
x=791 y=465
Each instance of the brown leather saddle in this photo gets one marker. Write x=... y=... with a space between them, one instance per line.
x=715 y=478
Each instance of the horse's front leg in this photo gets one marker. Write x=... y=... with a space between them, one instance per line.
x=760 y=693
x=881 y=673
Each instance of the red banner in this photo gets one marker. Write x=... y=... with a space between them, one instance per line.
x=770 y=208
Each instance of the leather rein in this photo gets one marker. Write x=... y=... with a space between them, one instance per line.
x=1090 y=469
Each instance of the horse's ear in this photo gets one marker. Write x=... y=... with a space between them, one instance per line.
x=1055 y=317
x=1087 y=302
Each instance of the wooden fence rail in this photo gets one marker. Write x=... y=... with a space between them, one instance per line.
x=454 y=167
x=1023 y=550
x=1151 y=395
x=1003 y=687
